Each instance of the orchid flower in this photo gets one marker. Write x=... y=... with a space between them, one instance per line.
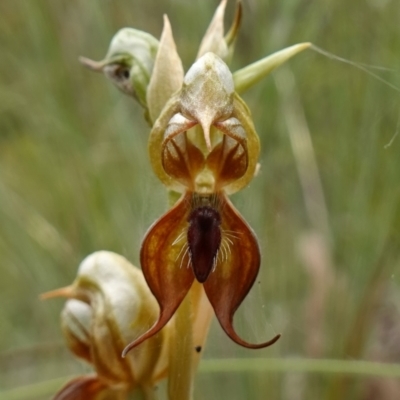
x=203 y=144
x=109 y=304
x=203 y=147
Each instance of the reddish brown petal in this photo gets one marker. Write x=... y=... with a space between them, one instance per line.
x=165 y=264
x=82 y=388
x=235 y=272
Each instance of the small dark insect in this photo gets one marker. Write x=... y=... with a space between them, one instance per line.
x=204 y=240
x=198 y=349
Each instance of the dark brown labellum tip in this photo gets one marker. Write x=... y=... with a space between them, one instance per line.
x=204 y=240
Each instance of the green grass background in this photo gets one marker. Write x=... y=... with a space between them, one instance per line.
x=74 y=178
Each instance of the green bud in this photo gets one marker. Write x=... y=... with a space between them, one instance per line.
x=129 y=62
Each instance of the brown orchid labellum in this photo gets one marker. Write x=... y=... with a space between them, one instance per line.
x=209 y=148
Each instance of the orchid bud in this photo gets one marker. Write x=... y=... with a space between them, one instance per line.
x=129 y=62
x=109 y=306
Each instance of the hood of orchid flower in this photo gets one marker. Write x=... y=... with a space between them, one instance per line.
x=205 y=140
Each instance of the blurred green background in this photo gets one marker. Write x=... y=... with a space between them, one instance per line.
x=74 y=178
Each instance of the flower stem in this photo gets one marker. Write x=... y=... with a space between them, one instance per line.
x=181 y=371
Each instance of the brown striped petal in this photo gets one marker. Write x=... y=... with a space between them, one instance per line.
x=235 y=271
x=165 y=264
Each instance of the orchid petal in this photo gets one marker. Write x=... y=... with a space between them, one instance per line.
x=155 y=144
x=167 y=76
x=213 y=39
x=165 y=263
x=207 y=93
x=235 y=272
x=180 y=158
x=76 y=320
x=229 y=159
x=230 y=37
x=243 y=115
x=248 y=76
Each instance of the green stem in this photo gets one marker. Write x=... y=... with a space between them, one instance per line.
x=181 y=371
